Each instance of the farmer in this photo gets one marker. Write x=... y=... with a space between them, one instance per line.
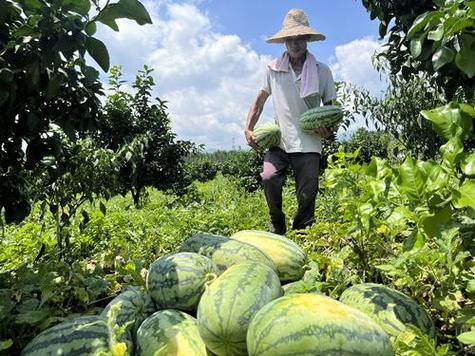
x=297 y=82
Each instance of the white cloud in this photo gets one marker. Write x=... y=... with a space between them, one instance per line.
x=353 y=64
x=208 y=79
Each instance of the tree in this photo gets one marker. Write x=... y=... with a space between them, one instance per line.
x=140 y=131
x=46 y=86
x=398 y=111
x=435 y=36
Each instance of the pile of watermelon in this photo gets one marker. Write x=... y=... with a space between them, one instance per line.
x=248 y=294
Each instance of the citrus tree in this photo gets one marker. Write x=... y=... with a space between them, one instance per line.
x=139 y=130
x=46 y=86
x=435 y=36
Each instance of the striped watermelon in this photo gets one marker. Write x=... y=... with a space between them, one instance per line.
x=288 y=257
x=390 y=308
x=225 y=252
x=177 y=281
x=130 y=307
x=229 y=303
x=311 y=324
x=87 y=335
x=267 y=135
x=170 y=333
x=321 y=116
x=300 y=287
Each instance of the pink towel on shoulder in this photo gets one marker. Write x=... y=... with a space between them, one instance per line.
x=310 y=84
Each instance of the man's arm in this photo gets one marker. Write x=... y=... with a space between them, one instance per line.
x=253 y=116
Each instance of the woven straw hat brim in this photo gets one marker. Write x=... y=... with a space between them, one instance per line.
x=295 y=24
x=281 y=36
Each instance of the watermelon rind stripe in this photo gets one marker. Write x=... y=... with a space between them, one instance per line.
x=390 y=308
x=81 y=336
x=231 y=301
x=225 y=252
x=314 y=324
x=289 y=258
x=170 y=332
x=178 y=280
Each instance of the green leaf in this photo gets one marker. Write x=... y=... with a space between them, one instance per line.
x=32 y=4
x=421 y=21
x=411 y=179
x=465 y=58
x=442 y=56
x=91 y=28
x=467 y=338
x=471 y=6
x=437 y=177
x=468 y=164
x=451 y=152
x=25 y=30
x=465 y=196
x=432 y=224
x=129 y=9
x=471 y=286
x=98 y=51
x=79 y=6
x=414 y=241
x=468 y=110
x=437 y=34
x=449 y=121
x=33 y=317
x=417 y=44
x=5 y=344
x=458 y=26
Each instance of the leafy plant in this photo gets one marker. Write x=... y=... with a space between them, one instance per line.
x=433 y=36
x=411 y=224
x=45 y=81
x=140 y=131
x=398 y=111
x=371 y=144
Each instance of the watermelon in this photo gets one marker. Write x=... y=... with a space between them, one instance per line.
x=176 y=281
x=288 y=257
x=86 y=335
x=130 y=307
x=322 y=116
x=267 y=135
x=300 y=287
x=311 y=324
x=225 y=252
x=390 y=308
x=169 y=333
x=229 y=303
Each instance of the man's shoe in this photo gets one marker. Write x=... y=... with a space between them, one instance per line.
x=279 y=229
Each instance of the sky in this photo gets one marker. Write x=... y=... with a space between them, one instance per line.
x=209 y=57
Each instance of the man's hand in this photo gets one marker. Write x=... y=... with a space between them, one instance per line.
x=323 y=132
x=251 y=139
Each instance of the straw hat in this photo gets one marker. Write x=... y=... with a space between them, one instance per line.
x=295 y=24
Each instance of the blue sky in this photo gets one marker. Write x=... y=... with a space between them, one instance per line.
x=209 y=57
x=341 y=21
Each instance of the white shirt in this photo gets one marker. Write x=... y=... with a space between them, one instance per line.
x=288 y=106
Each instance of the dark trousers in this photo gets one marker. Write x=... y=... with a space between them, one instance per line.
x=305 y=167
